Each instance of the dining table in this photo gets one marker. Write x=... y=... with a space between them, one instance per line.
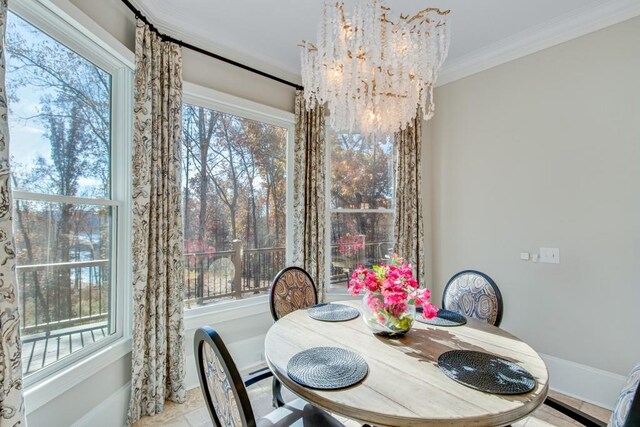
x=404 y=385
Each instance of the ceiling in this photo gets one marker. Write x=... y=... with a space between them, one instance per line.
x=265 y=34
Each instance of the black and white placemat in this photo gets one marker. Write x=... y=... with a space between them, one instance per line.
x=444 y=318
x=486 y=372
x=333 y=312
x=327 y=368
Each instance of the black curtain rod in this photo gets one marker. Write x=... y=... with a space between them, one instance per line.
x=168 y=38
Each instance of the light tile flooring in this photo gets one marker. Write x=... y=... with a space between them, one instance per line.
x=194 y=413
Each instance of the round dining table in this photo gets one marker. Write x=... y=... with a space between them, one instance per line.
x=404 y=385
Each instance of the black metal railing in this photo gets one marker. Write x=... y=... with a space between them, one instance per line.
x=230 y=274
x=60 y=295
x=346 y=258
x=68 y=294
x=260 y=267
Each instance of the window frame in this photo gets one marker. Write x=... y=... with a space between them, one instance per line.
x=70 y=27
x=330 y=211
x=212 y=99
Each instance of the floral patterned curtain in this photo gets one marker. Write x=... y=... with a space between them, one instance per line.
x=158 y=365
x=409 y=227
x=11 y=399
x=309 y=192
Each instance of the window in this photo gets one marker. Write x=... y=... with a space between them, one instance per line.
x=67 y=199
x=235 y=198
x=361 y=203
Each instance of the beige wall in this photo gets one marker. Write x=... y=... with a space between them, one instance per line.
x=544 y=151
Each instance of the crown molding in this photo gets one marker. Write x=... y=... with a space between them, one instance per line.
x=551 y=33
x=559 y=30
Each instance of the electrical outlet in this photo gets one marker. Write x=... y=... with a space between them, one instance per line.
x=550 y=255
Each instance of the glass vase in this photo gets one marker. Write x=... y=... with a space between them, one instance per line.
x=390 y=321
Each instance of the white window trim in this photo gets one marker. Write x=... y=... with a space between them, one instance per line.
x=219 y=101
x=338 y=294
x=65 y=23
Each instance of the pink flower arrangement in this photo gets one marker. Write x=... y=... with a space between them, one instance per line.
x=390 y=289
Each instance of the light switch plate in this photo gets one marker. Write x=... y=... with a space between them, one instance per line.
x=550 y=255
x=524 y=256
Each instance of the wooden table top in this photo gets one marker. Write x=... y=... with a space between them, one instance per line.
x=404 y=386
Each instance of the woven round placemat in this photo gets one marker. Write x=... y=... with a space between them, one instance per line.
x=486 y=372
x=327 y=368
x=333 y=312
x=444 y=318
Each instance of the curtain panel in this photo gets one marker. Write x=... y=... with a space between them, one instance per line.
x=158 y=360
x=408 y=224
x=309 y=208
x=11 y=398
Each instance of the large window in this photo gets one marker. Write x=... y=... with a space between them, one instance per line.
x=235 y=188
x=66 y=203
x=361 y=203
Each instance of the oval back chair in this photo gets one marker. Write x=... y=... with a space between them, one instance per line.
x=223 y=389
x=226 y=395
x=626 y=413
x=474 y=294
x=292 y=289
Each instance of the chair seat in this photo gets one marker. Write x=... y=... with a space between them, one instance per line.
x=298 y=413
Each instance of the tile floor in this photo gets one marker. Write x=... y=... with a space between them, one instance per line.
x=194 y=413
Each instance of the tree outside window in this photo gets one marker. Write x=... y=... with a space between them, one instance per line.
x=361 y=203
x=234 y=196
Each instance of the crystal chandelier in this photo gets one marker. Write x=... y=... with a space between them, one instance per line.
x=374 y=73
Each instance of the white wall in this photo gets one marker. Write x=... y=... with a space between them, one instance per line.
x=544 y=151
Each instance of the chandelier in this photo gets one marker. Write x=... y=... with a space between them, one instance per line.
x=374 y=73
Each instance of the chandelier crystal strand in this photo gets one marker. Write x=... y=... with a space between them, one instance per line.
x=374 y=73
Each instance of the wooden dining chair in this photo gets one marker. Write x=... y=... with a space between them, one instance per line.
x=226 y=395
x=474 y=294
x=292 y=289
x=625 y=414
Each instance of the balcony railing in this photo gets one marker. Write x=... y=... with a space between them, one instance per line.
x=68 y=294
x=230 y=274
x=346 y=258
x=65 y=306
x=61 y=295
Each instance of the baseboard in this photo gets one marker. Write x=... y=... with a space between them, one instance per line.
x=584 y=382
x=111 y=412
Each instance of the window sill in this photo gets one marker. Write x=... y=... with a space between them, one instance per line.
x=332 y=296
x=226 y=311
x=42 y=392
